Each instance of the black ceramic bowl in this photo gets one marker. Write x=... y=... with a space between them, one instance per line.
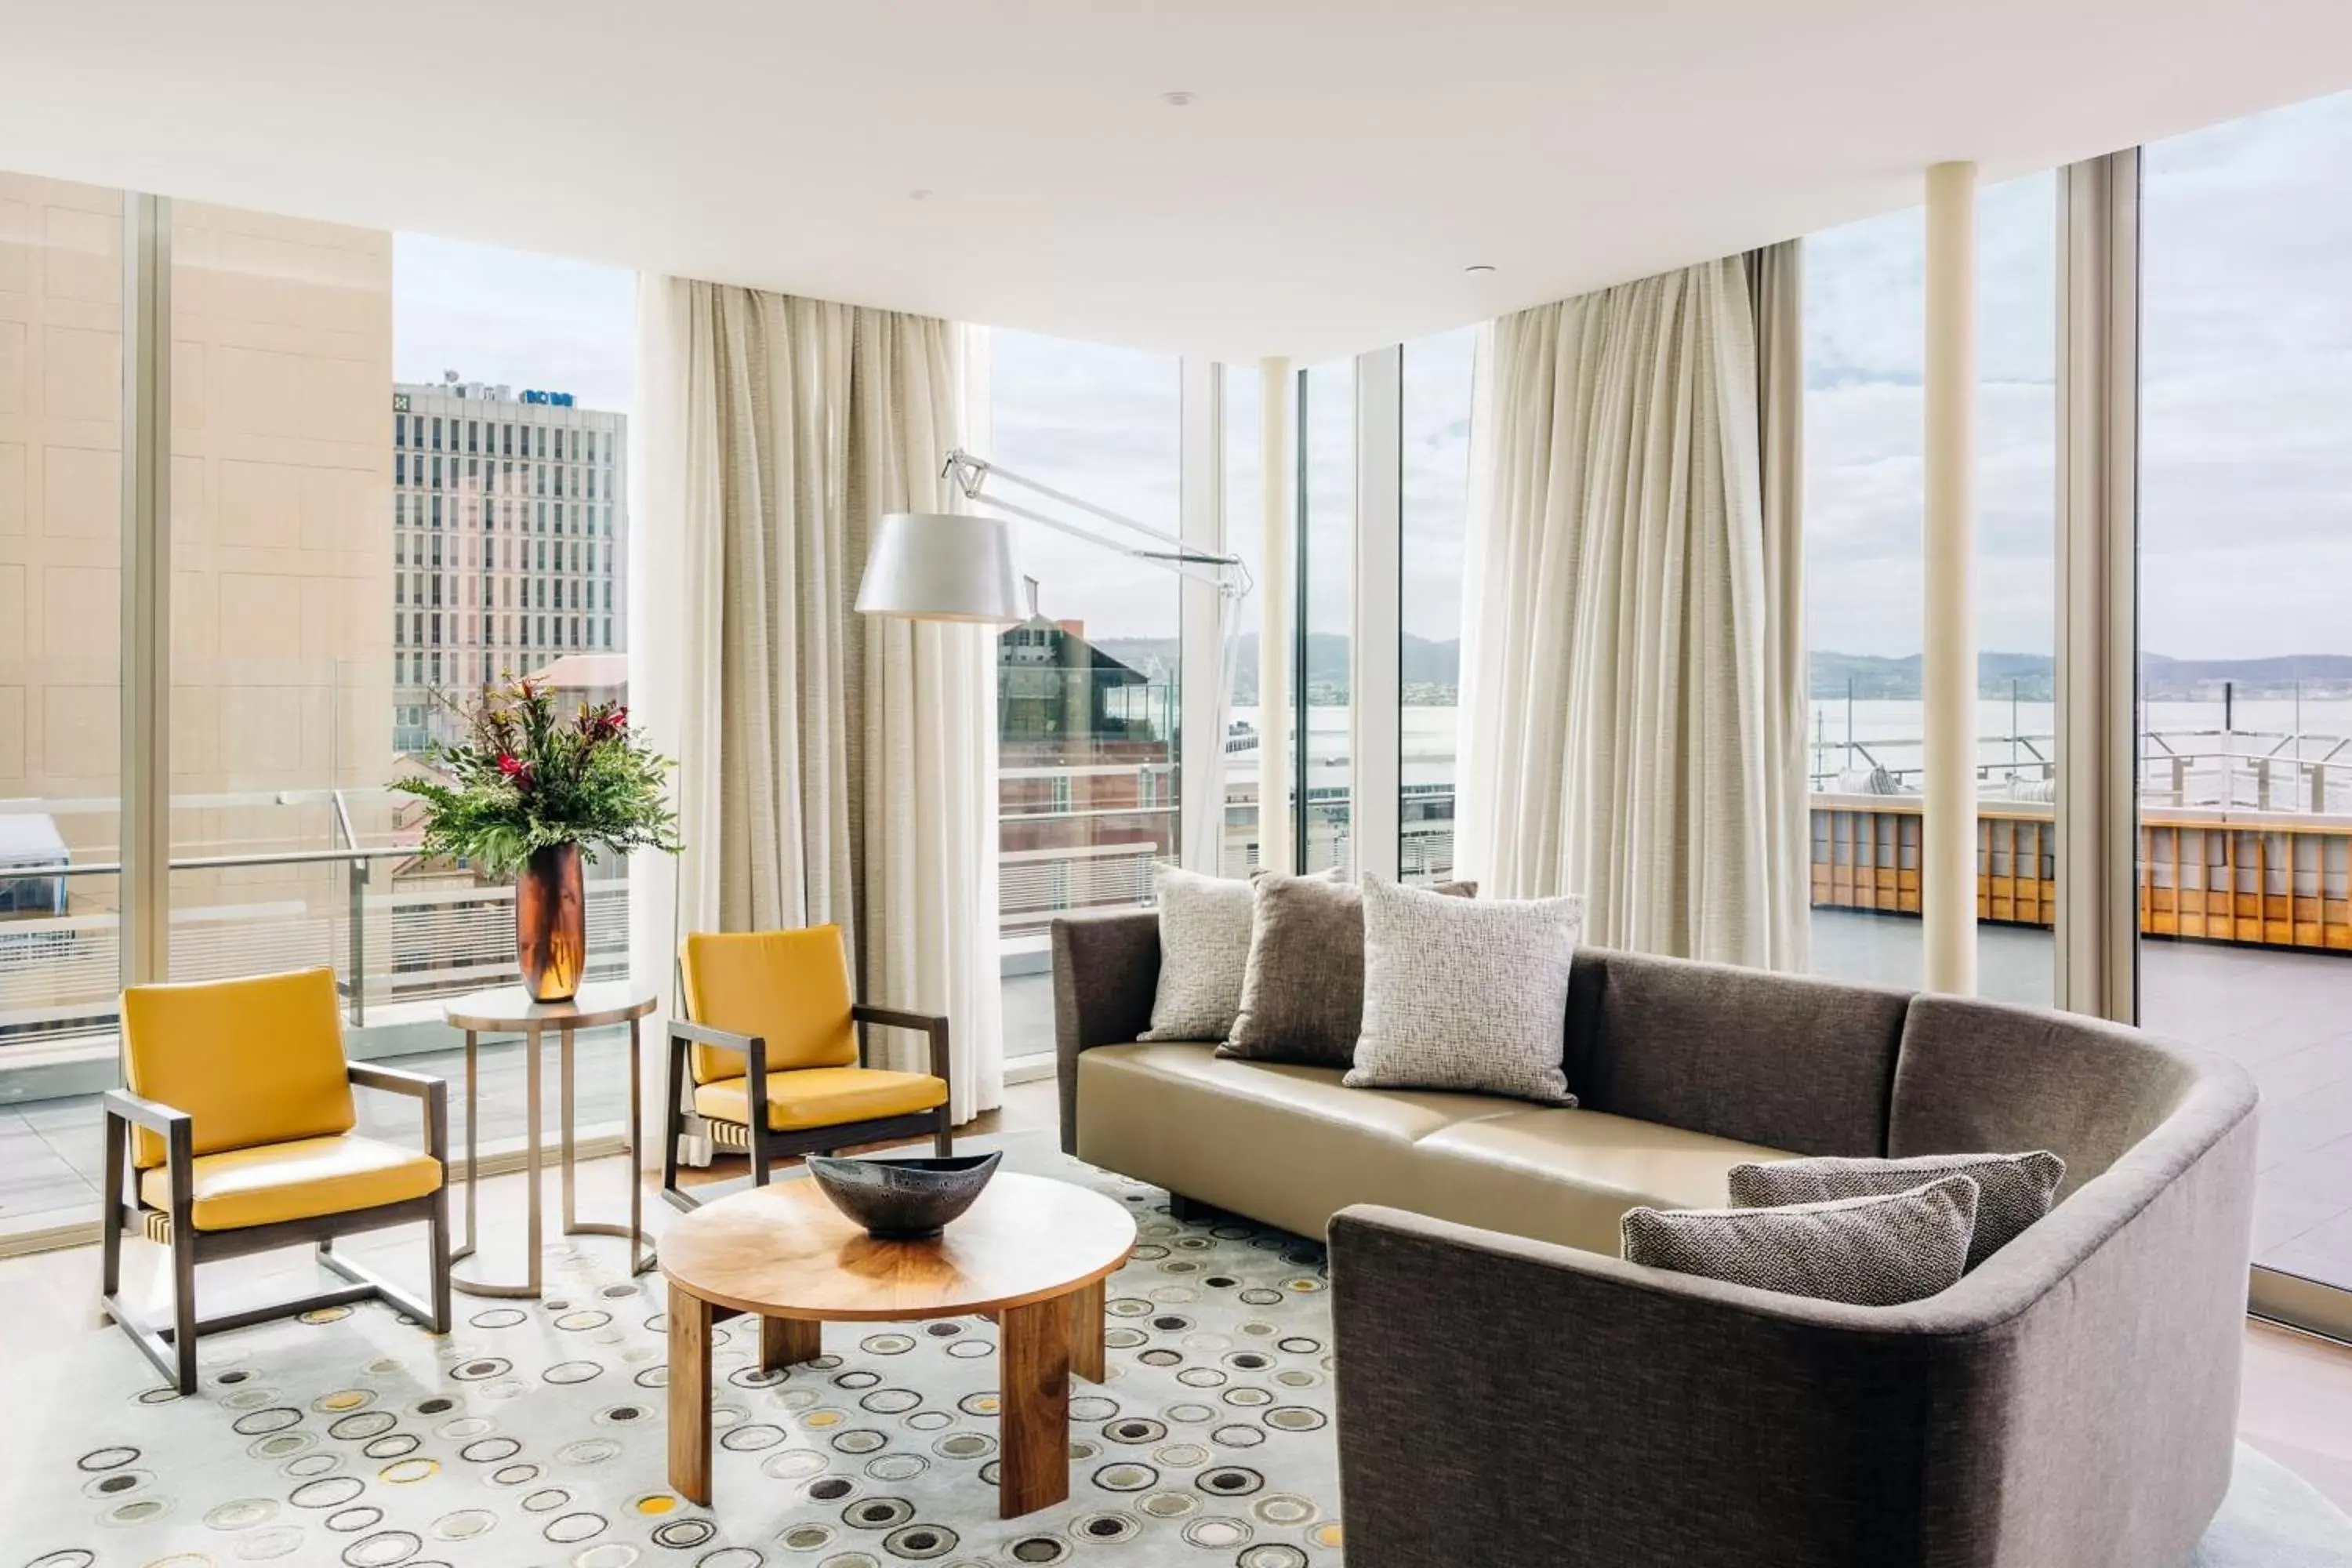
x=903 y=1200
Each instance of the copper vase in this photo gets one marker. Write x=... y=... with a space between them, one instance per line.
x=551 y=923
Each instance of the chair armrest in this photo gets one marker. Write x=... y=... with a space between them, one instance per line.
x=124 y=1109
x=153 y=1114
x=393 y=1080
x=705 y=1034
x=684 y=1032
x=433 y=1091
x=931 y=1024
x=895 y=1017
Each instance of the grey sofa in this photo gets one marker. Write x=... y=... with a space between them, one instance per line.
x=1512 y=1392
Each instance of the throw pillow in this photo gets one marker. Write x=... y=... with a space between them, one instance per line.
x=1205 y=945
x=1866 y=1252
x=1303 y=987
x=2013 y=1189
x=1464 y=995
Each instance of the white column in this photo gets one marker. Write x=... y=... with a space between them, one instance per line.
x=146 y=634
x=2098 y=482
x=1374 y=641
x=1947 y=899
x=1277 y=616
x=1201 y=519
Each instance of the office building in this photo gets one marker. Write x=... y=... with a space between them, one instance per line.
x=509 y=522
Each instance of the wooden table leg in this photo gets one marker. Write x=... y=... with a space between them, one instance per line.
x=1032 y=1461
x=1087 y=1332
x=788 y=1341
x=689 y=1396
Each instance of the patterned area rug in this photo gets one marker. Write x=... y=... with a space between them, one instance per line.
x=535 y=1435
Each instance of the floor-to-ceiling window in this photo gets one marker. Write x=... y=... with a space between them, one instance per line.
x=1087 y=683
x=399 y=468
x=1325 y=619
x=2016 y=587
x=1865 y=343
x=1432 y=512
x=333 y=500
x=1246 y=728
x=61 y=668
x=2245 y=570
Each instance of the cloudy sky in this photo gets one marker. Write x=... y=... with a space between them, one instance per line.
x=508 y=316
x=2246 y=413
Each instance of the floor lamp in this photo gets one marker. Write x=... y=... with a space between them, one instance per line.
x=931 y=566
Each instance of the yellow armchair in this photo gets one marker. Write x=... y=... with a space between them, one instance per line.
x=234 y=1134
x=770 y=1055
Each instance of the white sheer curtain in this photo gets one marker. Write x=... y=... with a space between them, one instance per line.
x=832 y=766
x=1633 y=661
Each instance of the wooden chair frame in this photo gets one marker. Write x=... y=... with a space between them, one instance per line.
x=764 y=1144
x=173 y=1348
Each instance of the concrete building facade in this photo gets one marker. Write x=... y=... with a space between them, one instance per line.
x=509 y=518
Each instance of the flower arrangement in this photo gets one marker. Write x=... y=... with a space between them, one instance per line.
x=531 y=796
x=525 y=780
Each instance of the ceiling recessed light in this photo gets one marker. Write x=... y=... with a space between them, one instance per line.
x=1477 y=267
x=1175 y=99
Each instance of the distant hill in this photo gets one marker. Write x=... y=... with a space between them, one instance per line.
x=1420 y=663
x=2031 y=676
x=1870 y=676
x=1433 y=671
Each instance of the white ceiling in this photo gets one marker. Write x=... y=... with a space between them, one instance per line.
x=1341 y=165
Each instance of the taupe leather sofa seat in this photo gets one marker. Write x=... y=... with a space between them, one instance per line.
x=1288 y=1145
x=1677 y=1082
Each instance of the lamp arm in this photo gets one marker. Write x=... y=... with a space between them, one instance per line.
x=970 y=474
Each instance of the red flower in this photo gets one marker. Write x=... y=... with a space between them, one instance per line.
x=509 y=765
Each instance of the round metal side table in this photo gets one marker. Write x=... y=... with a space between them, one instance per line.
x=510 y=1010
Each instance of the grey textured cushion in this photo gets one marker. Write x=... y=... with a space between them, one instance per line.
x=1464 y=995
x=1864 y=1252
x=2013 y=1189
x=1303 y=994
x=1204 y=944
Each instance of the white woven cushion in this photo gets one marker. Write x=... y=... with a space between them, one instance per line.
x=1866 y=1252
x=1466 y=993
x=1205 y=945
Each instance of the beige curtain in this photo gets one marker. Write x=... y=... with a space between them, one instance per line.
x=833 y=767
x=1634 y=665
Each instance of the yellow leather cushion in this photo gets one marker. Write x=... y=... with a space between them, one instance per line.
x=297 y=1180
x=258 y=1060
x=823 y=1097
x=791 y=988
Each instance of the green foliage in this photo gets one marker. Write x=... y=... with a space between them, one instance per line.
x=526 y=780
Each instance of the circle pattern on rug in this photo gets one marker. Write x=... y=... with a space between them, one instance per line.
x=315 y=1440
x=920 y=1542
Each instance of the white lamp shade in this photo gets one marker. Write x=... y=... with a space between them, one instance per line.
x=935 y=566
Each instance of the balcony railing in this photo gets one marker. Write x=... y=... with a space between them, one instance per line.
x=60 y=975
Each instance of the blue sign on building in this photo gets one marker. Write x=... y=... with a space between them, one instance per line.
x=553 y=399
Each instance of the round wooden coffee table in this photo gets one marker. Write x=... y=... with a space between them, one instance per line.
x=1033 y=1253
